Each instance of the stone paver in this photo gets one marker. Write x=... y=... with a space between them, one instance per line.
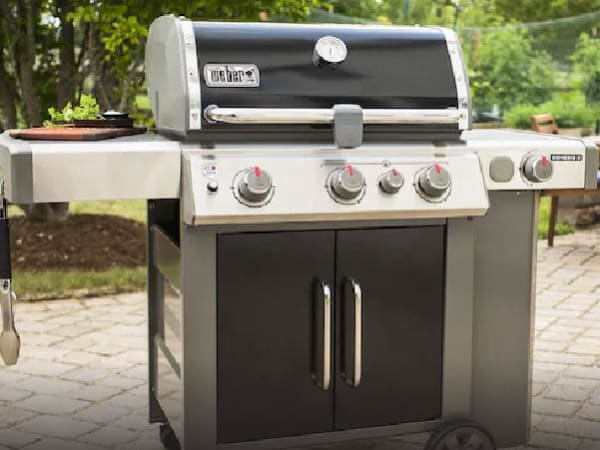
x=81 y=380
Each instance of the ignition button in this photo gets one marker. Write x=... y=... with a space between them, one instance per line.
x=212 y=186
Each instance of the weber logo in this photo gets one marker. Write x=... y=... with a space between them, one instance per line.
x=566 y=158
x=231 y=75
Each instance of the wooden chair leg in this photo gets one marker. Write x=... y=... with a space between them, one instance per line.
x=552 y=220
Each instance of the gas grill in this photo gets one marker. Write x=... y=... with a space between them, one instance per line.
x=333 y=255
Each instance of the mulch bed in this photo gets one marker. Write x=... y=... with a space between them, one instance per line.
x=83 y=242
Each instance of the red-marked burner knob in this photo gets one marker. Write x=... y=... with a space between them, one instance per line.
x=537 y=168
x=391 y=181
x=255 y=184
x=347 y=183
x=434 y=181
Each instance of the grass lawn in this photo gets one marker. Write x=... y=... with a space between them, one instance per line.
x=544 y=213
x=130 y=209
x=53 y=284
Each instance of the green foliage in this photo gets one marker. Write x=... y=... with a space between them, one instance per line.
x=88 y=109
x=505 y=70
x=130 y=209
x=54 y=284
x=569 y=109
x=587 y=67
x=122 y=28
x=121 y=33
x=539 y=10
x=543 y=219
x=366 y=9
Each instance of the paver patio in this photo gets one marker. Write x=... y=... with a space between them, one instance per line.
x=81 y=380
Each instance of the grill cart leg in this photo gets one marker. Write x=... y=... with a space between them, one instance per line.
x=461 y=435
x=10 y=342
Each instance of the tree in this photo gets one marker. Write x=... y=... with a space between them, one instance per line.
x=507 y=70
x=8 y=89
x=20 y=21
x=120 y=28
x=365 y=9
x=540 y=10
x=587 y=67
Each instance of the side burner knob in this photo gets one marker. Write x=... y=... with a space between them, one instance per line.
x=537 y=168
x=347 y=183
x=434 y=181
x=391 y=181
x=255 y=184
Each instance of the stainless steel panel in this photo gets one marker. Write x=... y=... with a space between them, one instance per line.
x=591 y=165
x=193 y=75
x=504 y=311
x=199 y=369
x=149 y=166
x=16 y=168
x=169 y=393
x=173 y=323
x=461 y=78
x=516 y=145
x=301 y=194
x=458 y=319
x=167 y=257
x=174 y=93
x=134 y=167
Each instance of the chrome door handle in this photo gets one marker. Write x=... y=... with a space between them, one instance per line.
x=326 y=335
x=357 y=363
x=322 y=356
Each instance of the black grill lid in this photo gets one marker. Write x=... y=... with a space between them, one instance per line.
x=386 y=67
x=273 y=66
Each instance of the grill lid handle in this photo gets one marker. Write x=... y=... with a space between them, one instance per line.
x=216 y=114
x=348 y=126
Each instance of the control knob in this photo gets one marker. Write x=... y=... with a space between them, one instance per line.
x=391 y=181
x=537 y=168
x=347 y=183
x=255 y=184
x=434 y=181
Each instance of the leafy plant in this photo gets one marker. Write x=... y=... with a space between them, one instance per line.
x=505 y=69
x=568 y=108
x=88 y=109
x=587 y=67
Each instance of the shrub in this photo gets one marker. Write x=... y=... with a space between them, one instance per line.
x=587 y=67
x=568 y=108
x=506 y=70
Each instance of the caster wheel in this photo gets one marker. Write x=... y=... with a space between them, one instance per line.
x=461 y=435
x=168 y=438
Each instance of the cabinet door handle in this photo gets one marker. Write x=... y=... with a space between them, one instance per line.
x=323 y=336
x=357 y=291
x=352 y=332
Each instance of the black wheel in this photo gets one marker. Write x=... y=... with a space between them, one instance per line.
x=168 y=438
x=461 y=435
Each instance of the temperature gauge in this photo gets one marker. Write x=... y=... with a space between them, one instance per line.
x=330 y=50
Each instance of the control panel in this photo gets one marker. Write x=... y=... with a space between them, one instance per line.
x=530 y=161
x=230 y=188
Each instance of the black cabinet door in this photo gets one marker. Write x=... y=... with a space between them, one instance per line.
x=271 y=326
x=398 y=276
